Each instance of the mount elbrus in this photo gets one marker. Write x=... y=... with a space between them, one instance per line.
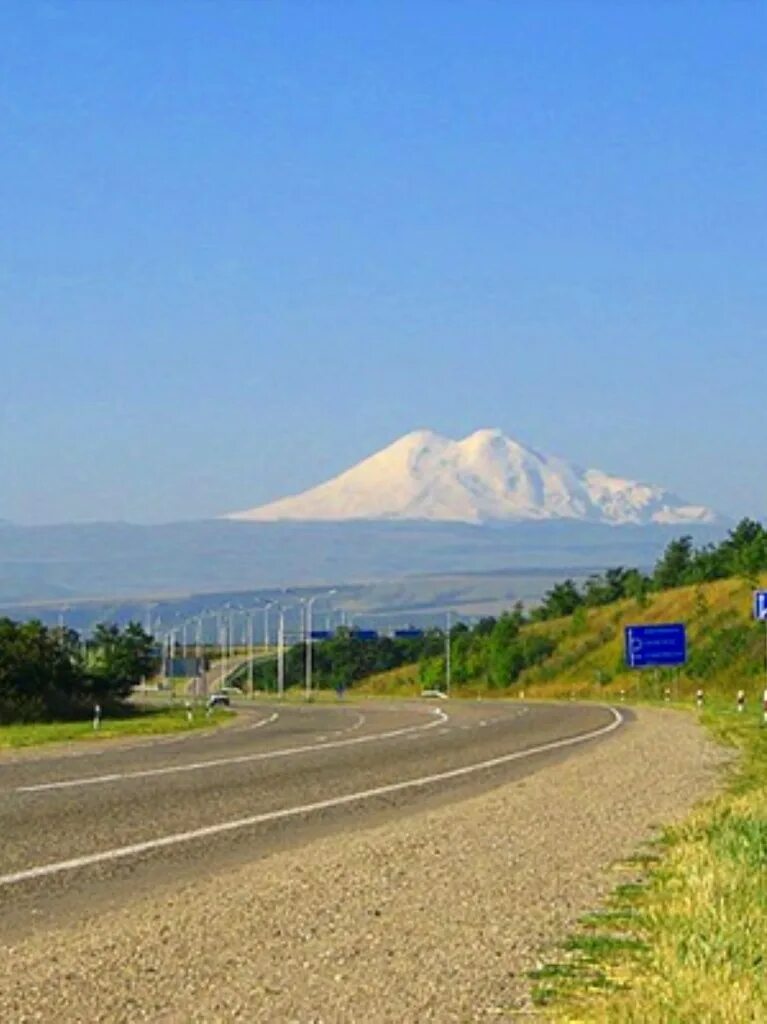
x=424 y=505
x=486 y=477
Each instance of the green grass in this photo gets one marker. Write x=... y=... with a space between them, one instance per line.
x=140 y=722
x=686 y=943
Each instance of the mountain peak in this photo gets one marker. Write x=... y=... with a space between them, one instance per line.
x=487 y=435
x=487 y=476
x=420 y=437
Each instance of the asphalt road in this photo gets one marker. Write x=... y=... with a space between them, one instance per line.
x=83 y=829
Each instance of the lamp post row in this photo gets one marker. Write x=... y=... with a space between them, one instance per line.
x=226 y=638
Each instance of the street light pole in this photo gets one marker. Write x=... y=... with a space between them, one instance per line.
x=281 y=655
x=250 y=653
x=222 y=647
x=267 y=606
x=309 y=605
x=232 y=621
x=448 y=666
x=308 y=646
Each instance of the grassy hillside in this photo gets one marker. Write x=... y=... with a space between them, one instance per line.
x=726 y=647
x=726 y=651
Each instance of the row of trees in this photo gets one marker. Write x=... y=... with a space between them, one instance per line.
x=494 y=651
x=742 y=553
x=48 y=673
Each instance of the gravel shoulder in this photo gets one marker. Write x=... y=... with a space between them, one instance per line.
x=436 y=917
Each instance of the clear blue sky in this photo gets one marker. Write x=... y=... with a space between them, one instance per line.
x=245 y=244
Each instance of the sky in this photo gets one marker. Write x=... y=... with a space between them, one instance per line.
x=244 y=245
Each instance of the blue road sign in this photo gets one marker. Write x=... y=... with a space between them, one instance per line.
x=407 y=634
x=760 y=605
x=653 y=646
x=365 y=634
x=321 y=634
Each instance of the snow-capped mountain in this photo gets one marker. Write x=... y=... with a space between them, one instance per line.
x=486 y=477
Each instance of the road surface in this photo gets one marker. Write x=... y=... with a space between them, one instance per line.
x=83 y=829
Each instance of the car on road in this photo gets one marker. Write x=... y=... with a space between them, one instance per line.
x=219 y=700
x=434 y=693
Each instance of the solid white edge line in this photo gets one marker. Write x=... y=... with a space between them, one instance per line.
x=144 y=773
x=291 y=812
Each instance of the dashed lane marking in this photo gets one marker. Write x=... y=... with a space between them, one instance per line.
x=163 y=842
x=96 y=780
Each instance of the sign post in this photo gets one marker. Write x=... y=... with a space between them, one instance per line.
x=760 y=614
x=656 y=646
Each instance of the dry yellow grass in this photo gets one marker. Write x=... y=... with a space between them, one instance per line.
x=702 y=919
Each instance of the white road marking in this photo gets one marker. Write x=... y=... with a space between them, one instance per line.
x=351 y=728
x=95 y=780
x=122 y=852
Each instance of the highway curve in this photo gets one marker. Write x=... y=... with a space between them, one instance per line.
x=83 y=830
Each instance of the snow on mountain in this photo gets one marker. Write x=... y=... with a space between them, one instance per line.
x=485 y=477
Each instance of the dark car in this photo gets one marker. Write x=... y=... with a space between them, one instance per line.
x=219 y=700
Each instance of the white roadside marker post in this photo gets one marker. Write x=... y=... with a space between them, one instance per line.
x=741 y=700
x=96 y=716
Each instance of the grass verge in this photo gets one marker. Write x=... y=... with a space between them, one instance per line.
x=684 y=942
x=139 y=722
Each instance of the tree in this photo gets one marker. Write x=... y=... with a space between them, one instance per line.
x=40 y=672
x=118 y=660
x=562 y=599
x=637 y=586
x=674 y=566
x=485 y=626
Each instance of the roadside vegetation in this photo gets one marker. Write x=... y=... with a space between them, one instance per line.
x=49 y=674
x=683 y=940
x=131 y=722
